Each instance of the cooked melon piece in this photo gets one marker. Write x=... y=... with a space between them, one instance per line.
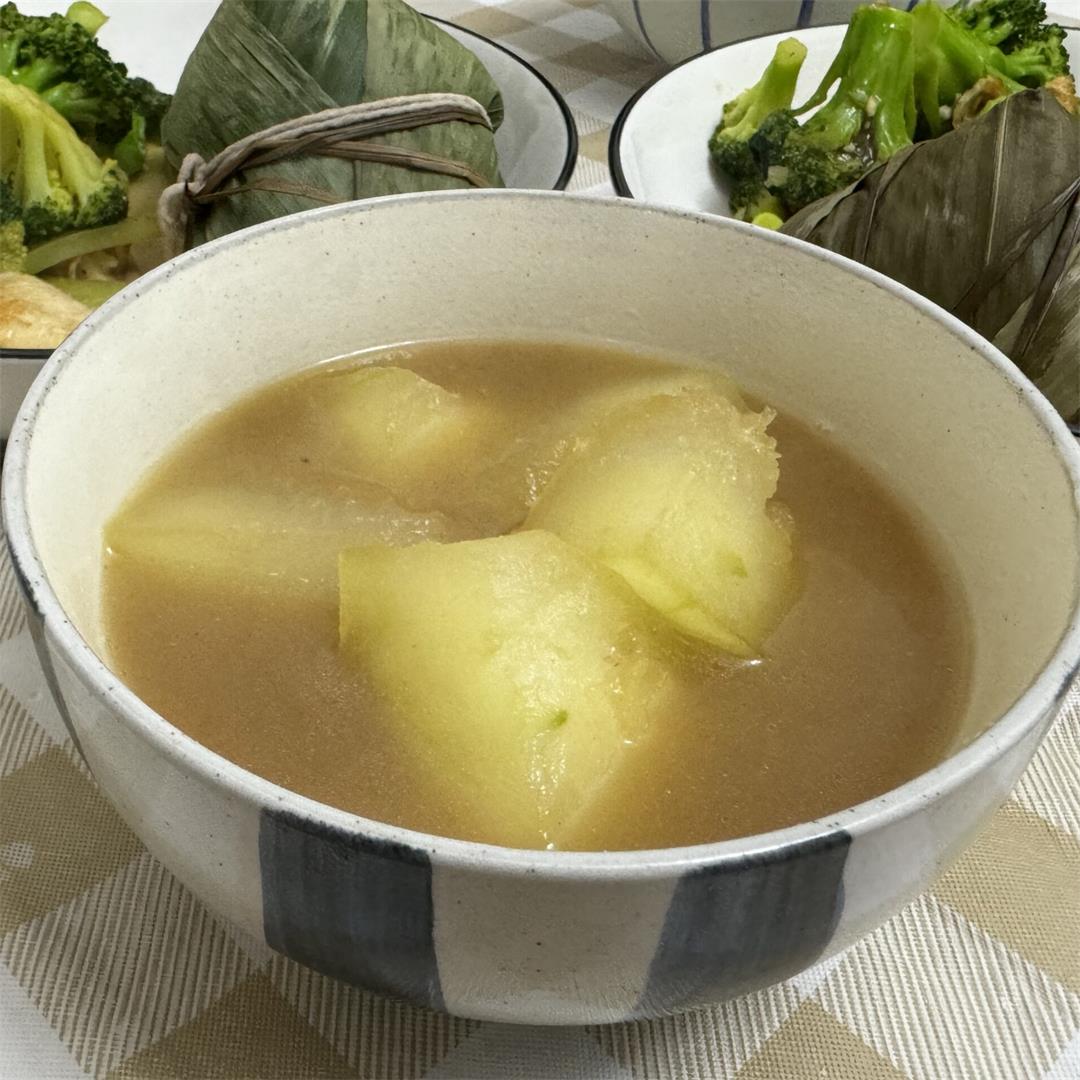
x=526 y=462
x=596 y=405
x=673 y=494
x=239 y=539
x=519 y=672
x=397 y=427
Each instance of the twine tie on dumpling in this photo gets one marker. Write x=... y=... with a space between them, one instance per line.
x=339 y=132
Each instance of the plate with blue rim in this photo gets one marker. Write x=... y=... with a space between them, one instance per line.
x=658 y=151
x=537 y=141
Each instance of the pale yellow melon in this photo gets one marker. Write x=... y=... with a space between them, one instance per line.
x=527 y=460
x=399 y=429
x=519 y=673
x=232 y=538
x=673 y=493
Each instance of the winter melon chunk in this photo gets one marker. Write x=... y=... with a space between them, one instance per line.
x=518 y=673
x=674 y=494
x=235 y=539
x=397 y=427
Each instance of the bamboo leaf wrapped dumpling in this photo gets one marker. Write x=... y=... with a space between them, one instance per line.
x=985 y=222
x=262 y=62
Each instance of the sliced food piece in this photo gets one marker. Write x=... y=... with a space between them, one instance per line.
x=35 y=314
x=674 y=494
x=520 y=673
x=528 y=461
x=401 y=430
x=232 y=538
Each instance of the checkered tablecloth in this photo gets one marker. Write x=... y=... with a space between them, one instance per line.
x=109 y=967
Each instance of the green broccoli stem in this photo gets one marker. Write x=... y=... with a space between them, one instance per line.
x=72 y=245
x=949 y=60
x=89 y=17
x=130 y=151
x=873 y=108
x=73 y=103
x=40 y=73
x=774 y=90
x=730 y=142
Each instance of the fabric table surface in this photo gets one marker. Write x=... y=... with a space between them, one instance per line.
x=110 y=968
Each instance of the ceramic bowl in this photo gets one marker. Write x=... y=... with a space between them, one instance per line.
x=672 y=30
x=540 y=936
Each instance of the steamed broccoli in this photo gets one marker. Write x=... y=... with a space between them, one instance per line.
x=798 y=169
x=898 y=76
x=1005 y=40
x=57 y=57
x=12 y=233
x=1010 y=25
x=53 y=178
x=867 y=119
x=150 y=103
x=743 y=115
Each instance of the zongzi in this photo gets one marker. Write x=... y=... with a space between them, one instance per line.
x=984 y=221
x=260 y=63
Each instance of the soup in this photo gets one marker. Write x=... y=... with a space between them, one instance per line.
x=413 y=584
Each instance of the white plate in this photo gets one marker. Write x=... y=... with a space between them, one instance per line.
x=659 y=144
x=537 y=140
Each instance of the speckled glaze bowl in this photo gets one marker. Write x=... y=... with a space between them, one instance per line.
x=672 y=30
x=540 y=936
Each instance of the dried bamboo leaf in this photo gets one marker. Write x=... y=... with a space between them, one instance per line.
x=1056 y=345
x=974 y=220
x=408 y=41
x=261 y=62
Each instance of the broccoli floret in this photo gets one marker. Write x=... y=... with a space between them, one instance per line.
x=869 y=116
x=57 y=57
x=12 y=247
x=1004 y=23
x=743 y=115
x=57 y=181
x=871 y=113
x=1040 y=60
x=750 y=198
x=150 y=103
x=898 y=75
x=1005 y=40
x=950 y=59
x=12 y=233
x=796 y=169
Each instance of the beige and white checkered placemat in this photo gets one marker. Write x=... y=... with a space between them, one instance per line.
x=109 y=967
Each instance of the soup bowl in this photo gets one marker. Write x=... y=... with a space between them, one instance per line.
x=672 y=30
x=547 y=936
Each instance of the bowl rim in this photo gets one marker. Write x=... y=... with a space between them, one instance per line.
x=1038 y=700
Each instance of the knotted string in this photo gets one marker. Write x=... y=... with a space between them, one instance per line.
x=338 y=132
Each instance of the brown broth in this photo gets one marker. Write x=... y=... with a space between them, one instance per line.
x=862 y=689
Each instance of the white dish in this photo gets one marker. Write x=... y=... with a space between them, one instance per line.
x=537 y=140
x=659 y=144
x=673 y=30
